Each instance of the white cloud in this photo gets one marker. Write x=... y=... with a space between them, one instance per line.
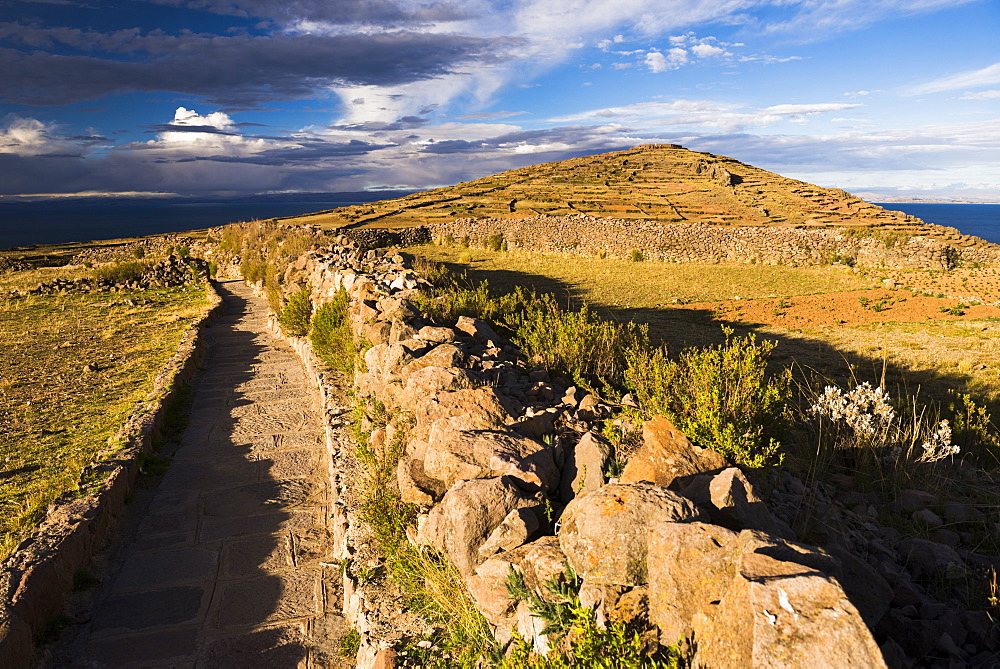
x=982 y=95
x=708 y=51
x=657 y=62
x=30 y=137
x=986 y=76
x=816 y=108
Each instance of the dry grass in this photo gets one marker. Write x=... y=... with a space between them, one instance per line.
x=623 y=283
x=54 y=416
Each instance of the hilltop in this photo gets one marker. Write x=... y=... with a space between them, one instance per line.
x=658 y=182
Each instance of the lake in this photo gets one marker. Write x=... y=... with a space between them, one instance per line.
x=981 y=220
x=24 y=223
x=49 y=222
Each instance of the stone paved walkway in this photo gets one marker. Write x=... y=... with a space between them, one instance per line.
x=228 y=566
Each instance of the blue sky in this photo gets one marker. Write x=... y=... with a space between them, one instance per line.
x=233 y=97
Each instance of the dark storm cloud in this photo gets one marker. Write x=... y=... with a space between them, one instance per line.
x=308 y=153
x=241 y=70
x=170 y=127
x=583 y=138
x=403 y=123
x=381 y=12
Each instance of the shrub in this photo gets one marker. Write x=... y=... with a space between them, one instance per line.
x=576 y=344
x=139 y=252
x=295 y=317
x=718 y=396
x=637 y=256
x=495 y=242
x=183 y=251
x=331 y=334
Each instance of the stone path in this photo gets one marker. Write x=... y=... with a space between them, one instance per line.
x=228 y=565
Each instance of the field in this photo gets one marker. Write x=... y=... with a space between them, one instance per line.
x=73 y=368
x=835 y=322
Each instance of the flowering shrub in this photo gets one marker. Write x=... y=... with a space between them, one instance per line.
x=938 y=445
x=864 y=409
x=865 y=416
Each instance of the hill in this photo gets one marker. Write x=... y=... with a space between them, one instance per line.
x=659 y=182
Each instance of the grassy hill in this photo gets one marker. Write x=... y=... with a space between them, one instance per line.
x=661 y=182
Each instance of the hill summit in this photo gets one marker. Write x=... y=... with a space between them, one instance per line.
x=654 y=182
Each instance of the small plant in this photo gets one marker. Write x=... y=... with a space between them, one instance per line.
x=957 y=310
x=494 y=242
x=350 y=644
x=183 y=251
x=139 y=253
x=295 y=317
x=637 y=256
x=587 y=644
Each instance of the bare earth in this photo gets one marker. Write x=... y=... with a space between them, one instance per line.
x=228 y=566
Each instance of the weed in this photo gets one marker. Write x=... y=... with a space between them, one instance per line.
x=637 y=256
x=139 y=253
x=53 y=628
x=126 y=272
x=586 y=644
x=495 y=242
x=350 y=644
x=956 y=310
x=84 y=580
x=297 y=312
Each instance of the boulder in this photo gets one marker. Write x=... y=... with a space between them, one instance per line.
x=454 y=455
x=482 y=407
x=690 y=567
x=666 y=454
x=439 y=335
x=478 y=329
x=604 y=533
x=515 y=530
x=583 y=471
x=731 y=501
x=783 y=614
x=443 y=355
x=931 y=560
x=467 y=515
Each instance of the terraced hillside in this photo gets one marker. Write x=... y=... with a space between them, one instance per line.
x=659 y=182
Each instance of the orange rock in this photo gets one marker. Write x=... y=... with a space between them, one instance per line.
x=667 y=454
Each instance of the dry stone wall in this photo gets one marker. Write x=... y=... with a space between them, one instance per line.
x=507 y=467
x=702 y=243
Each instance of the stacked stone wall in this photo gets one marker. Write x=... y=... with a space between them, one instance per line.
x=506 y=465
x=702 y=243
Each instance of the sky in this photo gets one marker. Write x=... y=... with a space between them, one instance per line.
x=219 y=98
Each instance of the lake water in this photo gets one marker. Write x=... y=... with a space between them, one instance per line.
x=981 y=220
x=26 y=223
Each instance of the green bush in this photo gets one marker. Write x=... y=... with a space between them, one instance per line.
x=719 y=396
x=495 y=242
x=295 y=317
x=577 y=344
x=331 y=334
x=125 y=272
x=183 y=251
x=637 y=256
x=139 y=252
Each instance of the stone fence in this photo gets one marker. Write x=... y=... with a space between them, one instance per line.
x=508 y=468
x=702 y=243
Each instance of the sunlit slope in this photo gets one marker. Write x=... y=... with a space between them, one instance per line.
x=662 y=182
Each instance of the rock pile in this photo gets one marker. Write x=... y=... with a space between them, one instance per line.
x=509 y=468
x=146 y=247
x=703 y=243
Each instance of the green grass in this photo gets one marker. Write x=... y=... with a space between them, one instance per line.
x=54 y=417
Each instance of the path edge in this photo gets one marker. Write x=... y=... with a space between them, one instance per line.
x=35 y=578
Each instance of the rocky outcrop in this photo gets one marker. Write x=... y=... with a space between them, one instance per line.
x=495 y=448
x=172 y=271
